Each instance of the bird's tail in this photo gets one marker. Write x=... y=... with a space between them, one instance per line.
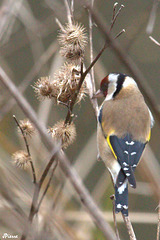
x=122 y=177
x=121 y=198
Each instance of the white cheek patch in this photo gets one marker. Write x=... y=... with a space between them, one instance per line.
x=112 y=86
x=113 y=77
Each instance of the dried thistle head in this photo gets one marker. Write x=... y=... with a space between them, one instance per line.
x=27 y=127
x=73 y=40
x=43 y=88
x=65 y=83
x=21 y=159
x=64 y=133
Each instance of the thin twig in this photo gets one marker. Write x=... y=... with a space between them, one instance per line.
x=72 y=8
x=69 y=15
x=115 y=15
x=129 y=227
x=114 y=217
x=27 y=147
x=93 y=101
x=155 y=41
x=47 y=186
x=59 y=24
x=158 y=225
x=114 y=10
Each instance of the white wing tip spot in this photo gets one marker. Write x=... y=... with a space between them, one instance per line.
x=125 y=206
x=133 y=153
x=126 y=168
x=134 y=165
x=126 y=152
x=128 y=174
x=130 y=143
x=119 y=205
x=125 y=164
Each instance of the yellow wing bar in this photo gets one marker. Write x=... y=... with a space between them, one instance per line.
x=109 y=143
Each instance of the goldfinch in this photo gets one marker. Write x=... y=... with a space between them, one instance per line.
x=124 y=129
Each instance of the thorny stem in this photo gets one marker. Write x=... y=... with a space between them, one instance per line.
x=27 y=147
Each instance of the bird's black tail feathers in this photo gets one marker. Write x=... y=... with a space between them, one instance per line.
x=122 y=177
x=121 y=199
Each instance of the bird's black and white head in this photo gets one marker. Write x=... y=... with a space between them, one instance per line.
x=112 y=84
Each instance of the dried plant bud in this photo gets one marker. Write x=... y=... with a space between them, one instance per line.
x=43 y=88
x=64 y=133
x=21 y=159
x=65 y=84
x=73 y=40
x=27 y=127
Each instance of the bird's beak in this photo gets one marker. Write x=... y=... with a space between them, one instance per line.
x=98 y=94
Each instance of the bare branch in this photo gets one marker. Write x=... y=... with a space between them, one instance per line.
x=59 y=24
x=93 y=89
x=129 y=227
x=155 y=41
x=114 y=217
x=48 y=185
x=115 y=15
x=69 y=15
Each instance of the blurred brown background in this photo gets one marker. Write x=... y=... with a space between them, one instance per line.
x=29 y=50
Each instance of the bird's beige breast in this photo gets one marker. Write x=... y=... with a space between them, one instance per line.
x=127 y=114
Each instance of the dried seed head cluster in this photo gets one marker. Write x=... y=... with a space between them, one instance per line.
x=43 y=88
x=27 y=127
x=21 y=159
x=63 y=86
x=73 y=40
x=64 y=133
x=66 y=82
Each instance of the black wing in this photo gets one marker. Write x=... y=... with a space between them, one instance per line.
x=128 y=154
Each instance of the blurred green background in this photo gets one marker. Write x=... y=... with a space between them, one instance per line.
x=28 y=51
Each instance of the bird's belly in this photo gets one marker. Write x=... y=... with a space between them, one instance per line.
x=107 y=156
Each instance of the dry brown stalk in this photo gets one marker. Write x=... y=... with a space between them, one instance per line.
x=129 y=227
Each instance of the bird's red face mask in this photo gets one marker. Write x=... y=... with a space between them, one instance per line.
x=102 y=92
